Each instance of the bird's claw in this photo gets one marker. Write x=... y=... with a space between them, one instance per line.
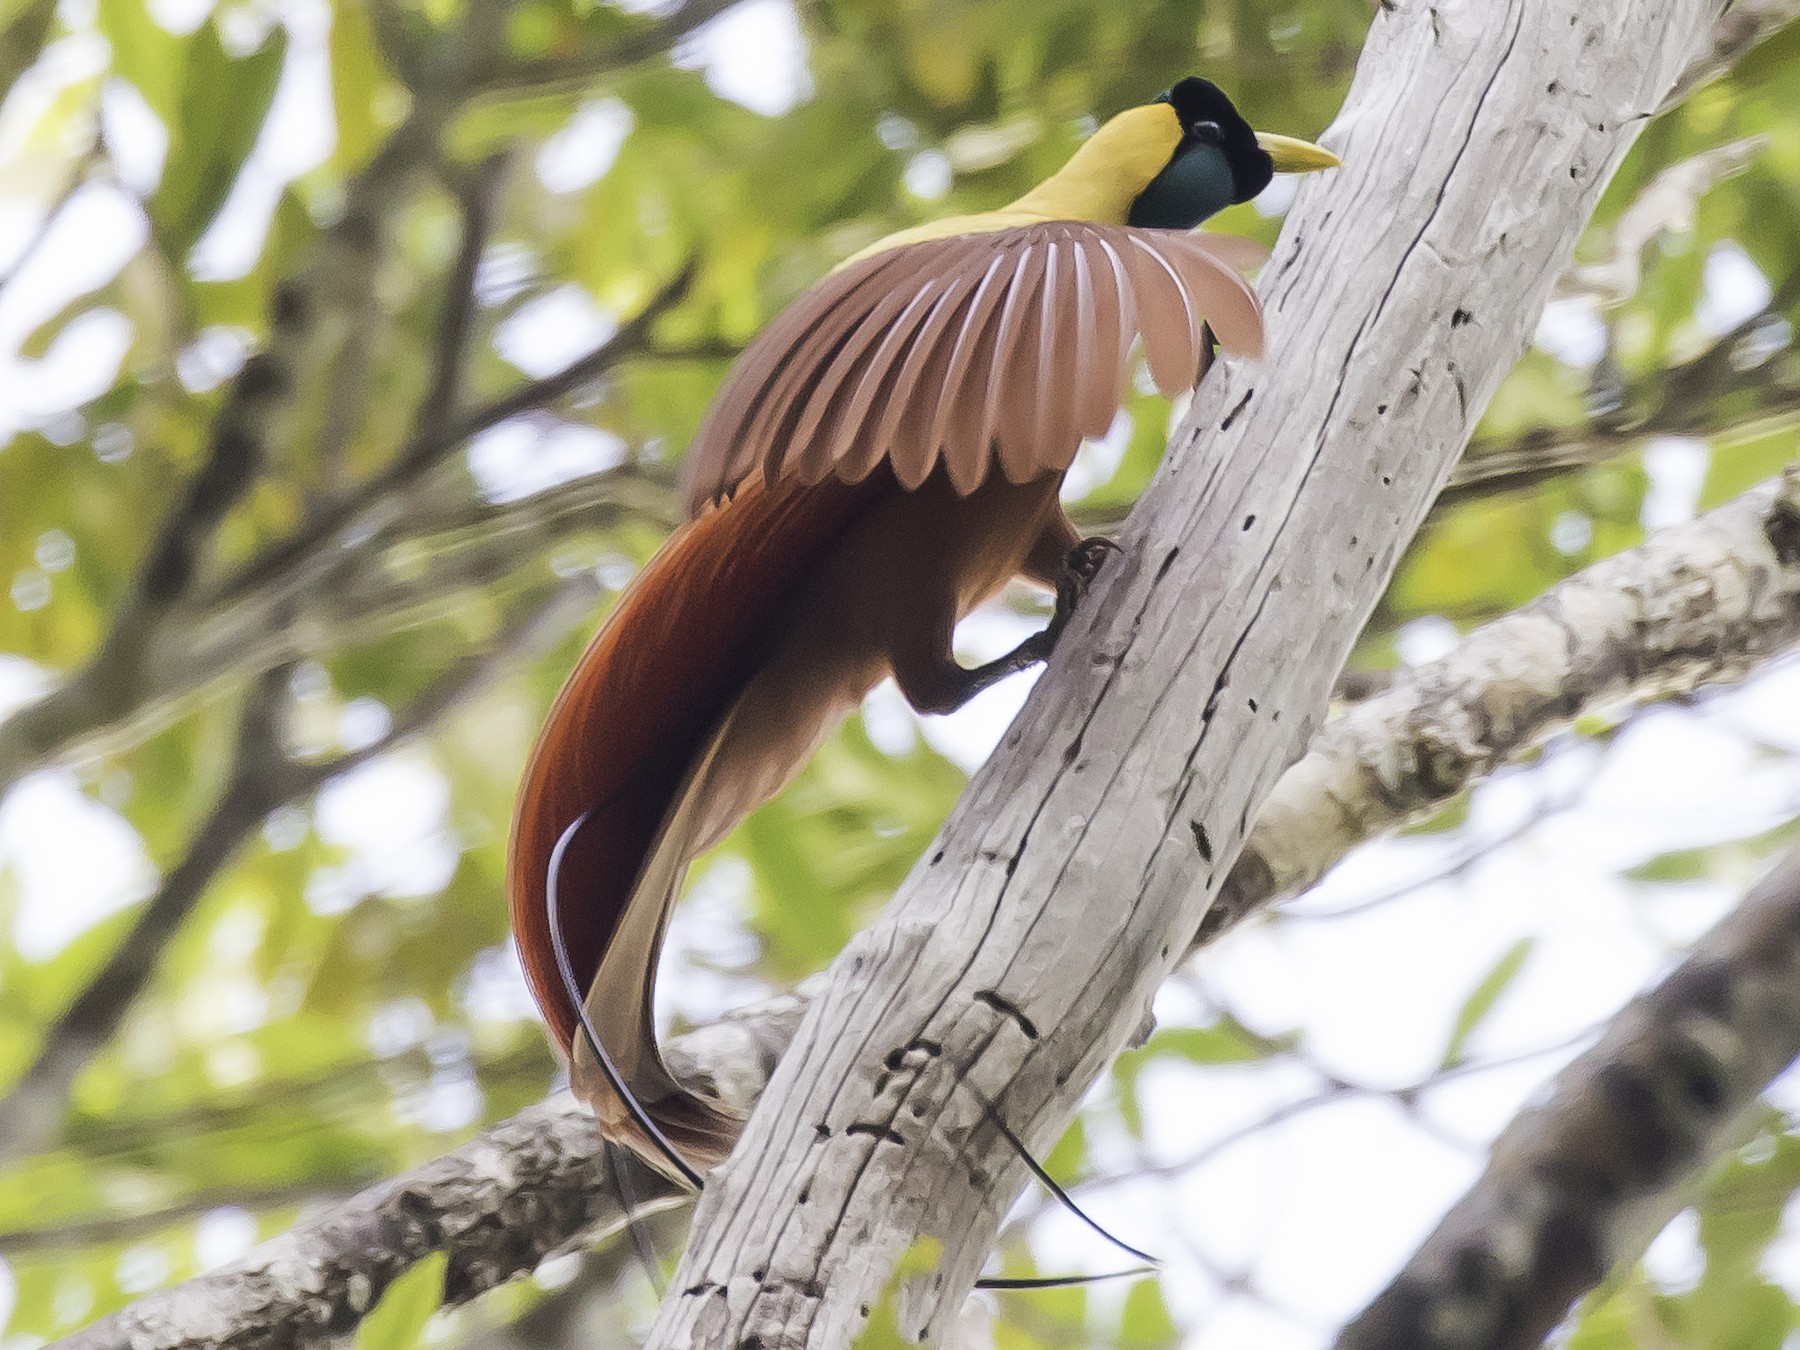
x=1079 y=570
x=1086 y=558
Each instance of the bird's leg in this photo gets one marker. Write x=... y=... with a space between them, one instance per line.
x=929 y=676
x=1066 y=563
x=928 y=673
x=1080 y=566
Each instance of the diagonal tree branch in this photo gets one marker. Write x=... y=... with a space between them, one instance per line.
x=1583 y=1180
x=293 y=564
x=1696 y=603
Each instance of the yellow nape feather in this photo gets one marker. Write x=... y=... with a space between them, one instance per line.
x=1099 y=183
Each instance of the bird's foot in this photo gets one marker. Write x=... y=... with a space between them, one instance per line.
x=1079 y=570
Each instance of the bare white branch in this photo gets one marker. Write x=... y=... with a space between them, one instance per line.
x=1698 y=603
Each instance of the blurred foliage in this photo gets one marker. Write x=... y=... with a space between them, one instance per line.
x=333 y=1009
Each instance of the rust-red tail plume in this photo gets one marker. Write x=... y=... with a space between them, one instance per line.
x=641 y=704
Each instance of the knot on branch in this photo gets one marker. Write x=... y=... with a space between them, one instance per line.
x=1782 y=525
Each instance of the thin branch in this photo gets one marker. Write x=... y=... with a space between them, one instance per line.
x=372 y=505
x=477 y=193
x=303 y=1102
x=1331 y=1092
x=109 y=1229
x=337 y=279
x=33 y=1105
x=1580 y=1182
x=543 y=75
x=262 y=779
x=1719 y=394
x=413 y=572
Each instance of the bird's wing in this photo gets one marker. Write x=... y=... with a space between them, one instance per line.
x=1008 y=347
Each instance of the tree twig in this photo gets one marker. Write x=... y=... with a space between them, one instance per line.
x=478 y=194
x=372 y=505
x=542 y=75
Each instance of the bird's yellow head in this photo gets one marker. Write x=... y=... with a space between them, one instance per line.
x=1169 y=164
x=1214 y=158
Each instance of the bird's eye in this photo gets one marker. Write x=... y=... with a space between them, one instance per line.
x=1210 y=132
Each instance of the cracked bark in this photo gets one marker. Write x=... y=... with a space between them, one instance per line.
x=1399 y=295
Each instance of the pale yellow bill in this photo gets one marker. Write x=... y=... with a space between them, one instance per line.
x=1293 y=156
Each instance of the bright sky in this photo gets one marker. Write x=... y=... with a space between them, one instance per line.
x=1318 y=1210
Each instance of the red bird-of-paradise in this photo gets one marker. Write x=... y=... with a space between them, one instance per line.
x=886 y=455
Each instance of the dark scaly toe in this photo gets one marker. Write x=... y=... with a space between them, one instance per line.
x=1080 y=568
x=1087 y=557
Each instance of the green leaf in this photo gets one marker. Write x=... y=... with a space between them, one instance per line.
x=882 y=1331
x=223 y=104
x=1687 y=864
x=358 y=80
x=1064 y=1160
x=397 y=1322
x=488 y=125
x=1453 y=815
x=1481 y=1002
x=1740 y=1215
x=1734 y=859
x=1223 y=1042
x=148 y=55
x=1606 y=1323
x=1146 y=1324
